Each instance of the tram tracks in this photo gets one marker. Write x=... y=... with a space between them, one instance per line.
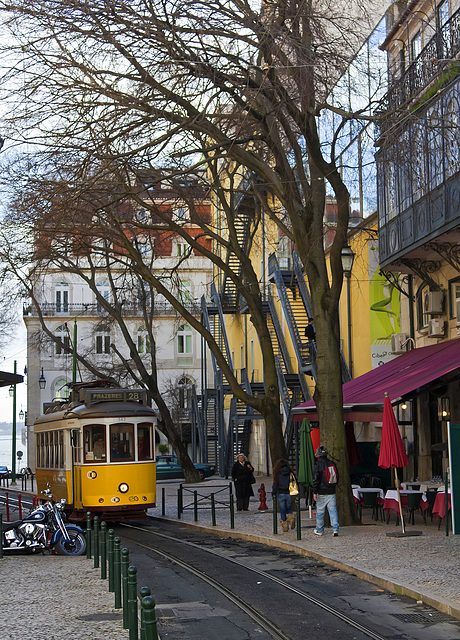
x=257 y=617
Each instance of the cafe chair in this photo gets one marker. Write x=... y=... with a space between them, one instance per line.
x=369 y=501
x=413 y=505
x=430 y=498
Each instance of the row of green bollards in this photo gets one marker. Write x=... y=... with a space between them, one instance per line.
x=122 y=580
x=180 y=506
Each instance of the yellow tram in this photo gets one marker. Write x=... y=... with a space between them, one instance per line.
x=99 y=453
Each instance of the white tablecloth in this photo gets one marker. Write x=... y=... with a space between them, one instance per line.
x=356 y=492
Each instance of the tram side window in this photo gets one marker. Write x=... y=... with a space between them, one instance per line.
x=144 y=441
x=95 y=445
x=121 y=442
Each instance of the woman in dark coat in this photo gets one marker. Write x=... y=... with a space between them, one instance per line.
x=242 y=477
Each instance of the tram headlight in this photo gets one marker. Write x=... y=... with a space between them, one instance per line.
x=123 y=487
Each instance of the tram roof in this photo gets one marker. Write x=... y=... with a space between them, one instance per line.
x=100 y=410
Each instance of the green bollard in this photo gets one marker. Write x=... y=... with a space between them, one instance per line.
x=143 y=593
x=110 y=559
x=297 y=507
x=163 y=501
x=88 y=535
x=124 y=586
x=150 y=620
x=275 y=514
x=213 y=510
x=117 y=572
x=195 y=506
x=132 y=603
x=1 y=536
x=232 y=512
x=96 y=542
x=103 y=551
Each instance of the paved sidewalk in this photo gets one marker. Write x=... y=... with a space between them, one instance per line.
x=425 y=567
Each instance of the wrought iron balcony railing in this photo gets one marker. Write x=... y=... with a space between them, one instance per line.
x=444 y=45
x=81 y=309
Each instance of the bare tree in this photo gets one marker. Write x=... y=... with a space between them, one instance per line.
x=234 y=87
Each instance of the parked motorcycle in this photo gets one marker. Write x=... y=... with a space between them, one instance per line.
x=44 y=528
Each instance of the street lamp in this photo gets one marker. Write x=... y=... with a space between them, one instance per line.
x=347 y=256
x=42 y=381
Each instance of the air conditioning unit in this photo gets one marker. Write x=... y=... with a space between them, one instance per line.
x=433 y=302
x=399 y=342
x=436 y=328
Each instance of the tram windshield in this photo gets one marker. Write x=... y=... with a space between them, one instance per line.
x=121 y=442
x=95 y=445
x=144 y=441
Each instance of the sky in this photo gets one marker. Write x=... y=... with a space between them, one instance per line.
x=15 y=349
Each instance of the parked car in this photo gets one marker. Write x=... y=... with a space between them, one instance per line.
x=168 y=467
x=4 y=472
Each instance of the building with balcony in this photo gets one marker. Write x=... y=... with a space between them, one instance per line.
x=65 y=313
x=418 y=164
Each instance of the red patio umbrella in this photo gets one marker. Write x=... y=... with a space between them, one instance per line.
x=392 y=452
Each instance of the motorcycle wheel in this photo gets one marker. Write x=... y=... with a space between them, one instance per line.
x=75 y=547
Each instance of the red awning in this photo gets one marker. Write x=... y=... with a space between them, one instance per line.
x=363 y=397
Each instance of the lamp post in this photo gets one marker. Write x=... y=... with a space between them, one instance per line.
x=12 y=392
x=42 y=381
x=347 y=257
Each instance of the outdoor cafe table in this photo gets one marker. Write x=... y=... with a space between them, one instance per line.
x=439 y=507
x=391 y=499
x=358 y=490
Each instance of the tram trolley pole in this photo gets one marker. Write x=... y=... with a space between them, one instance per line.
x=88 y=535
x=103 y=551
x=96 y=542
x=132 y=603
x=110 y=559
x=124 y=586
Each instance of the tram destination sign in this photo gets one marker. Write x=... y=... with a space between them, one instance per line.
x=94 y=396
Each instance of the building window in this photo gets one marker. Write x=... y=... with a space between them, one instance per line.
x=185 y=385
x=103 y=289
x=182 y=249
x=61 y=390
x=143 y=341
x=416 y=45
x=181 y=214
x=61 y=294
x=185 y=340
x=422 y=317
x=103 y=344
x=454 y=298
x=184 y=293
x=63 y=344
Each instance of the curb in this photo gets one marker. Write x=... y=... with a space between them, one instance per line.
x=380 y=581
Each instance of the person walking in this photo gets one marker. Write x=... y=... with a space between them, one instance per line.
x=325 y=479
x=281 y=478
x=242 y=474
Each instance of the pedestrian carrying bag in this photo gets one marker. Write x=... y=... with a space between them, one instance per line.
x=293 y=488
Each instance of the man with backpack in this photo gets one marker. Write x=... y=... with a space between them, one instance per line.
x=325 y=479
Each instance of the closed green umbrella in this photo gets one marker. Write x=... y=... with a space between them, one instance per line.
x=306 y=458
